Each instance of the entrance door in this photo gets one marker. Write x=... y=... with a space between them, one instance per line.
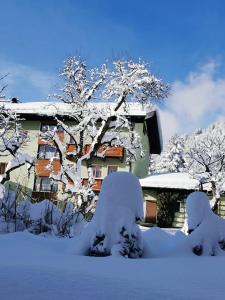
x=150 y=212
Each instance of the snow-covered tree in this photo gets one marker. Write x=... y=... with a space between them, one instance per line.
x=171 y=159
x=96 y=126
x=201 y=153
x=205 y=156
x=12 y=139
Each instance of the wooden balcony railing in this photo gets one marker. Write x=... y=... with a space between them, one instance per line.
x=117 y=152
x=110 y=152
x=42 y=167
x=96 y=186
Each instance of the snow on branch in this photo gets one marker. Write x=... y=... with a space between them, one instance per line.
x=12 y=139
x=131 y=81
x=12 y=136
x=93 y=126
x=4 y=86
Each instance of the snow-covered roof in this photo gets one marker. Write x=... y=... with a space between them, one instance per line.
x=31 y=110
x=170 y=180
x=51 y=108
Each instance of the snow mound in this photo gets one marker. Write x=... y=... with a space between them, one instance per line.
x=113 y=229
x=206 y=230
x=162 y=243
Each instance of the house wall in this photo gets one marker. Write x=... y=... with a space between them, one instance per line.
x=140 y=167
x=20 y=178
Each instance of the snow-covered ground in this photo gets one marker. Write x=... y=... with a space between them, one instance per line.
x=37 y=267
x=48 y=267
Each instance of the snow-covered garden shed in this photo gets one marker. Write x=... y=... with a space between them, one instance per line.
x=39 y=117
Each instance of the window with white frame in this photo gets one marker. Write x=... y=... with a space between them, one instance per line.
x=97 y=171
x=72 y=140
x=47 y=151
x=45 y=184
x=112 y=169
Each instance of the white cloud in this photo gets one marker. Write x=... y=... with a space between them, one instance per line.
x=25 y=82
x=168 y=123
x=195 y=102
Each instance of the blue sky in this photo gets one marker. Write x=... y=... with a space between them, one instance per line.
x=179 y=38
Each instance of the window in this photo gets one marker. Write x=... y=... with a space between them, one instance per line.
x=2 y=167
x=47 y=151
x=45 y=184
x=177 y=206
x=51 y=127
x=72 y=140
x=97 y=171
x=112 y=169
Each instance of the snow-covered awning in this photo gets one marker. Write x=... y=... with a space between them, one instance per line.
x=170 y=181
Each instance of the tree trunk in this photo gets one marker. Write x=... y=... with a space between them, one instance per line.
x=215 y=196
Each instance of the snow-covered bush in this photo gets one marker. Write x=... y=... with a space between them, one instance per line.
x=7 y=204
x=44 y=217
x=71 y=222
x=113 y=229
x=206 y=230
x=166 y=205
x=7 y=210
x=41 y=217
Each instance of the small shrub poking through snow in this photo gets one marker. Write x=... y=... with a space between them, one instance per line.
x=113 y=229
x=206 y=230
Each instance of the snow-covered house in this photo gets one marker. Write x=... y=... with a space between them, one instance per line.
x=38 y=117
x=181 y=183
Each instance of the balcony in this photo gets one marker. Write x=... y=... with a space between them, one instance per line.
x=42 y=167
x=96 y=186
x=70 y=148
x=117 y=152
